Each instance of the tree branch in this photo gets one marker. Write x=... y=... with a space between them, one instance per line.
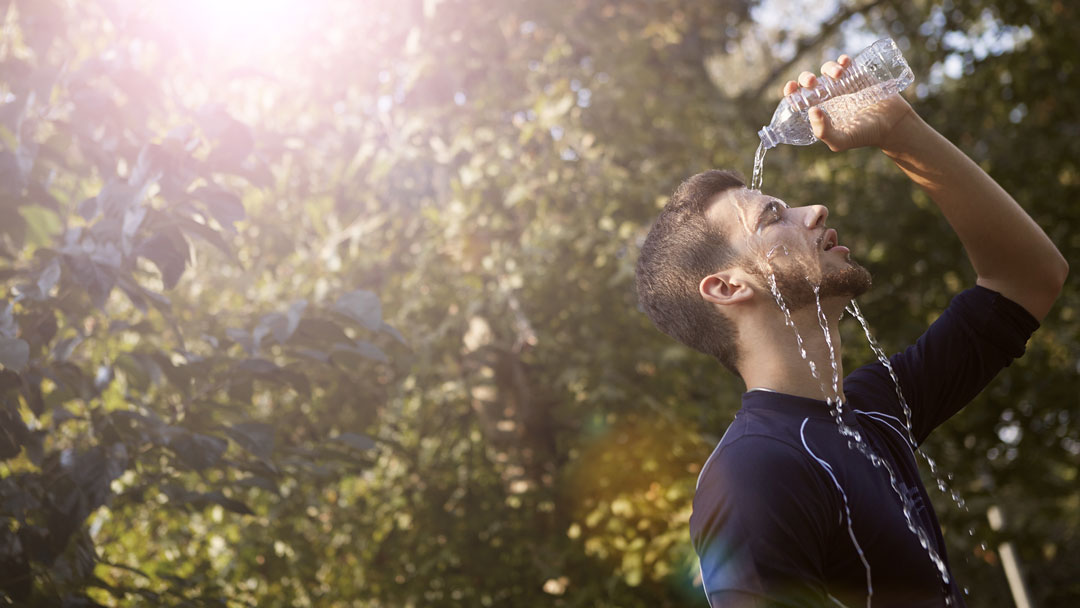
x=807 y=43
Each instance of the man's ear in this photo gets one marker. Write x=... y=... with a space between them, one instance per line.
x=726 y=287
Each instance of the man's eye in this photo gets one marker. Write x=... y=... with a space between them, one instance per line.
x=773 y=212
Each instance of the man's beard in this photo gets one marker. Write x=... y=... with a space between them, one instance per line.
x=796 y=286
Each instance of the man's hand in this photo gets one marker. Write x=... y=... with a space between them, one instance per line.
x=874 y=126
x=1010 y=253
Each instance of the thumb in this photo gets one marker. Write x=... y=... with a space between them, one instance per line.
x=820 y=123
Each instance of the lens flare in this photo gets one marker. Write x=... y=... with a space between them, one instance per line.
x=241 y=30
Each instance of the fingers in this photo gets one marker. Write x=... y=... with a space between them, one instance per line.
x=819 y=123
x=832 y=69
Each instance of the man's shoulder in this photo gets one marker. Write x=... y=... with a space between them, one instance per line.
x=751 y=475
x=749 y=450
x=872 y=387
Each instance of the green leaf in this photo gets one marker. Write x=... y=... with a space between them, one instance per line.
x=230 y=504
x=95 y=278
x=42 y=225
x=116 y=197
x=49 y=276
x=294 y=314
x=282 y=325
x=148 y=167
x=13 y=224
x=225 y=206
x=343 y=353
x=141 y=371
x=133 y=219
x=356 y=441
x=63 y=349
x=31 y=390
x=88 y=208
x=255 y=437
x=205 y=233
x=295 y=379
x=13 y=431
x=320 y=332
x=201 y=500
x=313 y=354
x=133 y=292
x=129 y=426
x=258 y=481
x=259 y=367
x=14 y=353
x=8 y=327
x=12 y=175
x=234 y=139
x=241 y=337
x=196 y=450
x=393 y=331
x=169 y=251
x=361 y=306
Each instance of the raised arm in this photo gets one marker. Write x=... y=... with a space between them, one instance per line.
x=1010 y=252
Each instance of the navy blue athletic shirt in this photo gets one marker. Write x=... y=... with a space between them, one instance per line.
x=769 y=522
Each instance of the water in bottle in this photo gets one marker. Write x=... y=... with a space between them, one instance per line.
x=876 y=73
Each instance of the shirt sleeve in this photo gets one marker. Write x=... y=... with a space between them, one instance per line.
x=761 y=526
x=978 y=335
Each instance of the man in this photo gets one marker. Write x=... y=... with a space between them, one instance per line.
x=788 y=510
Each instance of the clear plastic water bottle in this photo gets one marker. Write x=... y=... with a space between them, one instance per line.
x=876 y=73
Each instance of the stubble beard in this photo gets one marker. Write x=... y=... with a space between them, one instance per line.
x=797 y=290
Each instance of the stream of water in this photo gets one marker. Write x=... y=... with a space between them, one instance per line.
x=759 y=162
x=835 y=401
x=939 y=478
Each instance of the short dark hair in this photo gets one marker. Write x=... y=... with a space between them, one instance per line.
x=682 y=248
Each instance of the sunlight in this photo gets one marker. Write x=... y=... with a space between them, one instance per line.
x=244 y=27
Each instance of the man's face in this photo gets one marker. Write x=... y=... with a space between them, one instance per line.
x=791 y=244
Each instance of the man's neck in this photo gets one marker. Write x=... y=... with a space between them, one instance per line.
x=770 y=358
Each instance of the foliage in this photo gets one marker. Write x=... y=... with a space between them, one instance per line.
x=202 y=232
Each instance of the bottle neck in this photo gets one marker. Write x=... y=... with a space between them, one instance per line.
x=769 y=137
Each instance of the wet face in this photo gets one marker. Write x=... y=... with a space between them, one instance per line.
x=793 y=244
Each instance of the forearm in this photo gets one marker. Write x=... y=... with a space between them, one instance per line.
x=1010 y=252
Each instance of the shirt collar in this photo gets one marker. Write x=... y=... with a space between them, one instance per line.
x=803 y=407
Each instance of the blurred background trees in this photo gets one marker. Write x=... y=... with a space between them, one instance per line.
x=331 y=303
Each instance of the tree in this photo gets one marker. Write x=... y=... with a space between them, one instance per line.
x=203 y=230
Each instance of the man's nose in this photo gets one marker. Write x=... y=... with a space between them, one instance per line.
x=815 y=216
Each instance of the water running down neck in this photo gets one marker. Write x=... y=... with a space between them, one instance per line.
x=835 y=400
x=856 y=442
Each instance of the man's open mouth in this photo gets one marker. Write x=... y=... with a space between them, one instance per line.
x=829 y=239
